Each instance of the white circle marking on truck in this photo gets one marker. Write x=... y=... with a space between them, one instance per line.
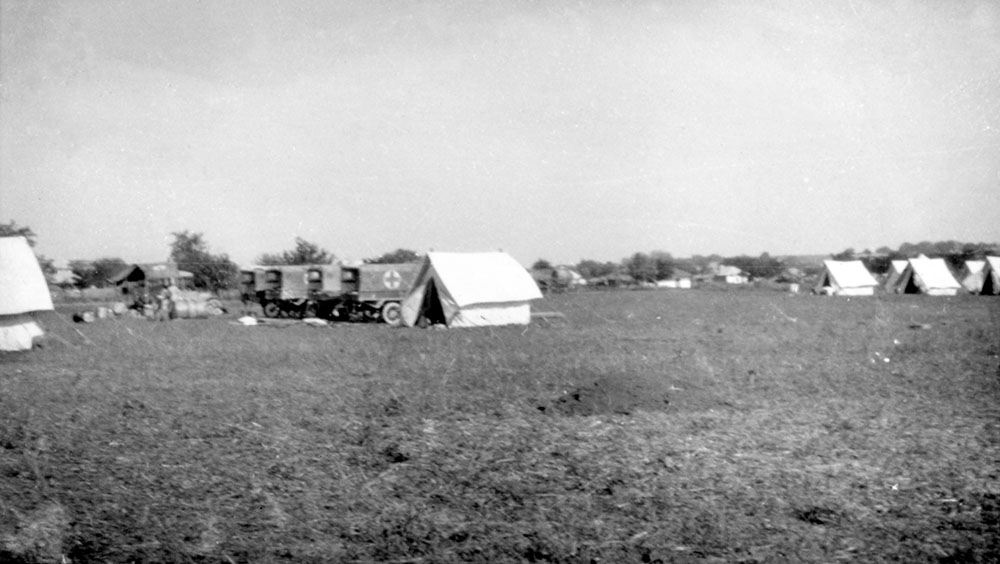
x=392 y=279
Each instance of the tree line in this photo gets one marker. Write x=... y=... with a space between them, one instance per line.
x=216 y=271
x=191 y=253
x=661 y=265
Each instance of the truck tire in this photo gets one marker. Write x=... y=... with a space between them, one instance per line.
x=392 y=314
x=271 y=309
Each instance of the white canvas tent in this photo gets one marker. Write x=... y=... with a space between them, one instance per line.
x=991 y=277
x=846 y=278
x=928 y=276
x=470 y=290
x=22 y=292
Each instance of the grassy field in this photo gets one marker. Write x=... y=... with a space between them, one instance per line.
x=697 y=426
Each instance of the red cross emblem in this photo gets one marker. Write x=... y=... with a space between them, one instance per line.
x=392 y=279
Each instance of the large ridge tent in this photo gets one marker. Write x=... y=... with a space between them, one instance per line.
x=991 y=277
x=470 y=290
x=22 y=292
x=972 y=275
x=846 y=278
x=928 y=276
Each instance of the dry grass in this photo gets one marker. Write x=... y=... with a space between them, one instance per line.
x=649 y=426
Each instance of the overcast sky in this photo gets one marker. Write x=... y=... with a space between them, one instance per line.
x=553 y=129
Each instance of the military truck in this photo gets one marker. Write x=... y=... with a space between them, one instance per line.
x=371 y=292
x=367 y=292
x=296 y=290
x=252 y=286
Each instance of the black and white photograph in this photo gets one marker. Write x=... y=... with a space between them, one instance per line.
x=443 y=281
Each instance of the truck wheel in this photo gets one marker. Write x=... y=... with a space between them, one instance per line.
x=271 y=309
x=392 y=313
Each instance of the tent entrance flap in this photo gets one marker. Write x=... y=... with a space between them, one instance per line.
x=989 y=287
x=431 y=311
x=911 y=286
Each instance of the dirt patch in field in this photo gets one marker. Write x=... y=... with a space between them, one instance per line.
x=608 y=395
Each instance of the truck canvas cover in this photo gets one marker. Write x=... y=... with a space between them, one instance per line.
x=379 y=282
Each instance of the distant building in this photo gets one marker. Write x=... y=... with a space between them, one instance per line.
x=730 y=274
x=678 y=279
x=63 y=277
x=557 y=278
x=140 y=281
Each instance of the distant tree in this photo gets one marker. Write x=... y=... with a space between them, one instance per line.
x=12 y=229
x=742 y=262
x=399 y=256
x=978 y=251
x=270 y=259
x=541 y=264
x=687 y=265
x=955 y=254
x=879 y=264
x=951 y=250
x=641 y=266
x=946 y=248
x=303 y=253
x=211 y=272
x=846 y=254
x=766 y=266
x=97 y=272
x=664 y=264
x=83 y=272
x=586 y=268
x=699 y=263
x=595 y=269
x=914 y=249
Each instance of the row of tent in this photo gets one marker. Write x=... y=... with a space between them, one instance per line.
x=921 y=275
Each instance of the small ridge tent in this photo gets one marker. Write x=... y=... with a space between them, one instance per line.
x=896 y=270
x=991 y=277
x=972 y=275
x=470 y=290
x=845 y=278
x=22 y=292
x=928 y=276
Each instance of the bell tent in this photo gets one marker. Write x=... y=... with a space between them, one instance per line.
x=928 y=276
x=470 y=290
x=22 y=292
x=846 y=278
